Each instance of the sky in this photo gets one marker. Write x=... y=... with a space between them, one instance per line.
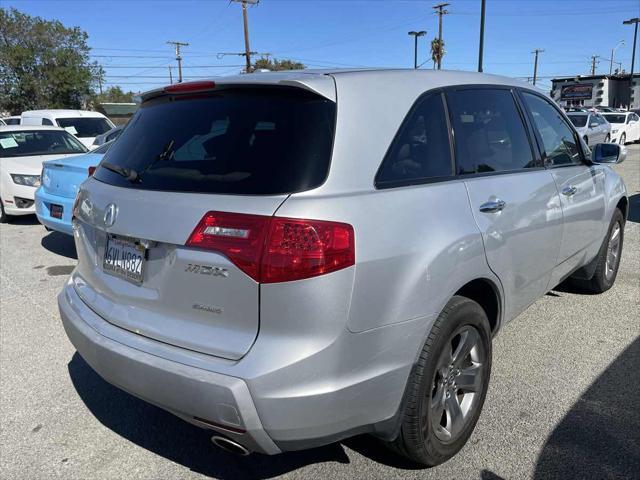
x=128 y=37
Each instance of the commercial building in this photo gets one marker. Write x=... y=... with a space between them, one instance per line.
x=597 y=90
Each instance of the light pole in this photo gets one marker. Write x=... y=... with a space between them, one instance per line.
x=632 y=21
x=481 y=46
x=421 y=33
x=537 y=51
x=613 y=52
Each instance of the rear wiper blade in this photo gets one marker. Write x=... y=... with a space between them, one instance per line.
x=128 y=173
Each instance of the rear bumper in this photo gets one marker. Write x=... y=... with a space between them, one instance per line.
x=207 y=399
x=43 y=202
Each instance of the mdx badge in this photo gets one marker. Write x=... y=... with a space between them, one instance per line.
x=207 y=270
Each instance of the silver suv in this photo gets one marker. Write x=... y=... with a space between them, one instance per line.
x=290 y=259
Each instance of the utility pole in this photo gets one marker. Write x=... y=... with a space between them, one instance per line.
x=594 y=60
x=178 y=57
x=245 y=19
x=481 y=48
x=170 y=76
x=440 y=11
x=421 y=33
x=535 y=64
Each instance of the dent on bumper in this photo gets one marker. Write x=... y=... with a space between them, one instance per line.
x=224 y=402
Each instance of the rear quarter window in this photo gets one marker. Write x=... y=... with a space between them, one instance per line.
x=262 y=141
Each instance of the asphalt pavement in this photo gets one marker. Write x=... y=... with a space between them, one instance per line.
x=564 y=400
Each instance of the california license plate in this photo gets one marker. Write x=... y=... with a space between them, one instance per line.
x=124 y=258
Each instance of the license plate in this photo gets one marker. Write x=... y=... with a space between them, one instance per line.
x=124 y=258
x=56 y=210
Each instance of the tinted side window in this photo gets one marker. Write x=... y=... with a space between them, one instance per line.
x=46 y=121
x=489 y=133
x=557 y=137
x=421 y=147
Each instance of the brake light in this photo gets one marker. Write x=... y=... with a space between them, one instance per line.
x=277 y=249
x=91 y=170
x=190 y=87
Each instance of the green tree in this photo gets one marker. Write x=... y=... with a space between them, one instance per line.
x=276 y=65
x=43 y=64
x=114 y=94
x=437 y=51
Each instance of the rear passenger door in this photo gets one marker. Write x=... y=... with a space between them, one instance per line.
x=581 y=185
x=513 y=198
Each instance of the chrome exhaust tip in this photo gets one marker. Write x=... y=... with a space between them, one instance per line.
x=229 y=446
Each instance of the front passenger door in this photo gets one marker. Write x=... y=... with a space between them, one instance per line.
x=581 y=186
x=512 y=196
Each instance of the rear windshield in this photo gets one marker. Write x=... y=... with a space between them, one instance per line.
x=243 y=141
x=615 y=118
x=578 y=120
x=85 y=126
x=38 y=142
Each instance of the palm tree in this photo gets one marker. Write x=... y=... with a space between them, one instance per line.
x=437 y=51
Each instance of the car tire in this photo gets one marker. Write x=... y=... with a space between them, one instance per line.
x=439 y=414
x=623 y=139
x=607 y=139
x=608 y=259
x=4 y=218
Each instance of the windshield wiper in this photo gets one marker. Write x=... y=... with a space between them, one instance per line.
x=128 y=173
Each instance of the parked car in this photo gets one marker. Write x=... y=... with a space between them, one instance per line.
x=22 y=151
x=11 y=120
x=108 y=136
x=591 y=126
x=85 y=125
x=625 y=127
x=280 y=272
x=60 y=181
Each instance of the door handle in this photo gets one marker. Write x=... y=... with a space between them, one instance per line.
x=493 y=206
x=569 y=190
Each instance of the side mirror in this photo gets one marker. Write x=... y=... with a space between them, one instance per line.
x=593 y=125
x=608 y=153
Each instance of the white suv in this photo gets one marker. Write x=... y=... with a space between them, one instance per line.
x=84 y=124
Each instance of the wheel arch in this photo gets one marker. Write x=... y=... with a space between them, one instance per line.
x=487 y=294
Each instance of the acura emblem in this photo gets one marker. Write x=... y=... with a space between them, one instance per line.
x=110 y=214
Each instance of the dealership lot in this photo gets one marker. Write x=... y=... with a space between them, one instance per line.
x=561 y=401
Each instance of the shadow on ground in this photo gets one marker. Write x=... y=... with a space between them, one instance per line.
x=600 y=436
x=60 y=244
x=164 y=434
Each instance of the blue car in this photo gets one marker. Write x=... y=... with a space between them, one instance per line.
x=60 y=182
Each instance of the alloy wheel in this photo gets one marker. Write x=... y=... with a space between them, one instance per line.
x=457 y=384
x=613 y=251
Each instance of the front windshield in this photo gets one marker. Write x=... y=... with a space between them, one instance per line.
x=578 y=120
x=85 y=126
x=615 y=118
x=25 y=143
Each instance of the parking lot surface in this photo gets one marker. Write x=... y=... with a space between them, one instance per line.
x=563 y=400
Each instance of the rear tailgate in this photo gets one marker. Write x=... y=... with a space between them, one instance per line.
x=182 y=301
x=234 y=150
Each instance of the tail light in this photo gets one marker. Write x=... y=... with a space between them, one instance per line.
x=91 y=170
x=276 y=249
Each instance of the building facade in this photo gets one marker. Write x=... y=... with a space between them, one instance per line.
x=618 y=91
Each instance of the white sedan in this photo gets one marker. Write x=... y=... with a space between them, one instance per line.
x=22 y=151
x=625 y=126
